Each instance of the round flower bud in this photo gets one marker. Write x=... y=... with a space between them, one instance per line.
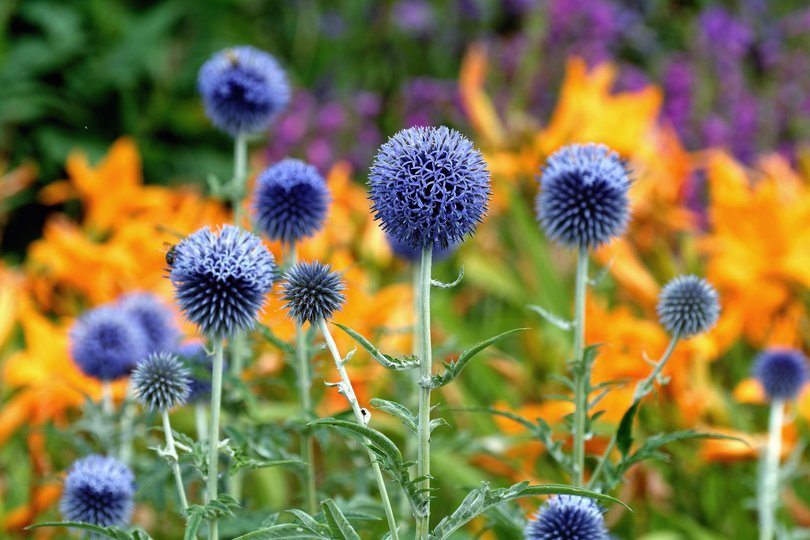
x=155 y=318
x=688 y=306
x=161 y=382
x=583 y=196
x=98 y=490
x=290 y=200
x=567 y=517
x=243 y=89
x=105 y=344
x=312 y=292
x=221 y=279
x=429 y=186
x=200 y=364
x=782 y=372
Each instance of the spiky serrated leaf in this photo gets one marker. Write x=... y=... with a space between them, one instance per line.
x=338 y=524
x=193 y=521
x=246 y=462
x=453 y=369
x=650 y=448
x=379 y=443
x=399 y=410
x=396 y=364
x=559 y=322
x=308 y=521
x=443 y=285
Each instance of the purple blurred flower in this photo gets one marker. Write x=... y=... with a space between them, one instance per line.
x=413 y=16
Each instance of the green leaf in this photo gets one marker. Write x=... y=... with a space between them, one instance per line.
x=376 y=441
x=193 y=522
x=399 y=410
x=624 y=433
x=110 y=532
x=287 y=531
x=307 y=521
x=651 y=446
x=443 y=285
x=246 y=462
x=453 y=369
x=397 y=364
x=559 y=322
x=483 y=498
x=338 y=524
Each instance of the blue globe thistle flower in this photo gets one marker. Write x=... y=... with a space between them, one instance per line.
x=221 y=279
x=429 y=186
x=161 y=382
x=155 y=318
x=243 y=89
x=98 y=490
x=568 y=517
x=583 y=196
x=312 y=292
x=782 y=372
x=410 y=254
x=688 y=305
x=105 y=344
x=200 y=364
x=290 y=200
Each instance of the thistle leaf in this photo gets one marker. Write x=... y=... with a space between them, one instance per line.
x=453 y=369
x=287 y=531
x=559 y=322
x=443 y=285
x=399 y=410
x=339 y=526
x=397 y=364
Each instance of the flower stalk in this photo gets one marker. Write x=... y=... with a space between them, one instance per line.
x=769 y=473
x=425 y=365
x=582 y=371
x=213 y=432
x=175 y=460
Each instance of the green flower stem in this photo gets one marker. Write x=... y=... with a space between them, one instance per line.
x=348 y=391
x=178 y=477
x=213 y=432
x=127 y=426
x=425 y=372
x=582 y=372
x=107 y=399
x=769 y=473
x=201 y=422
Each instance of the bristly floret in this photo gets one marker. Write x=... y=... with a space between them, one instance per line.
x=687 y=306
x=98 y=490
x=161 y=382
x=782 y=372
x=243 y=89
x=291 y=199
x=583 y=196
x=221 y=279
x=155 y=318
x=312 y=292
x=567 y=517
x=105 y=344
x=429 y=186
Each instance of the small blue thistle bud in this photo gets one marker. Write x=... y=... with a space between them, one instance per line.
x=583 y=196
x=782 y=372
x=312 y=292
x=200 y=364
x=243 y=89
x=221 y=279
x=98 y=490
x=567 y=517
x=687 y=306
x=290 y=200
x=429 y=186
x=105 y=344
x=155 y=318
x=161 y=382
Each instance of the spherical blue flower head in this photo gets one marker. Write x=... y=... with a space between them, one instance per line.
x=200 y=364
x=312 y=292
x=409 y=254
x=243 y=89
x=429 y=186
x=155 y=318
x=221 y=278
x=583 y=196
x=98 y=490
x=568 y=517
x=105 y=344
x=161 y=382
x=687 y=306
x=782 y=372
x=290 y=200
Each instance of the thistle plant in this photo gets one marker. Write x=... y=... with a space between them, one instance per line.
x=568 y=517
x=98 y=491
x=782 y=373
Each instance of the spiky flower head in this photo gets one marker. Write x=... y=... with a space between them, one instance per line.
x=312 y=292
x=568 y=517
x=243 y=89
x=221 y=278
x=429 y=186
x=687 y=306
x=161 y=382
x=98 y=490
x=105 y=344
x=290 y=200
x=155 y=318
x=200 y=364
x=782 y=372
x=583 y=196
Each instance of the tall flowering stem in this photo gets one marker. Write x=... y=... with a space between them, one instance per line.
x=425 y=365
x=348 y=391
x=769 y=472
x=582 y=371
x=170 y=448
x=213 y=431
